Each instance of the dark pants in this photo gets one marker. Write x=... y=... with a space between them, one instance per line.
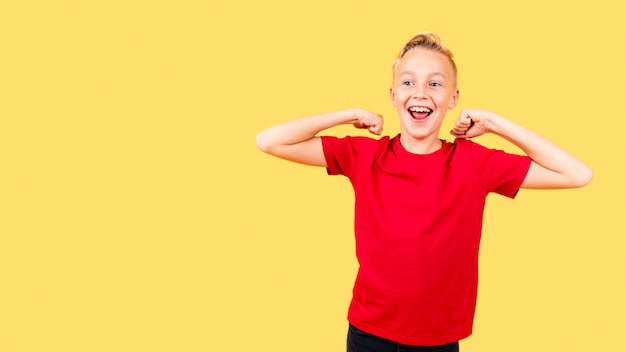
x=360 y=341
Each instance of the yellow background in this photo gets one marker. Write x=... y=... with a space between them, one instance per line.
x=136 y=213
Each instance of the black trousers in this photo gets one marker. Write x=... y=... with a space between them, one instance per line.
x=360 y=341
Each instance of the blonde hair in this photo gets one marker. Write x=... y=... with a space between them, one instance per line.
x=429 y=41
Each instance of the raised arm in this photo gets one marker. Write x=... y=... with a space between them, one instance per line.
x=552 y=166
x=296 y=140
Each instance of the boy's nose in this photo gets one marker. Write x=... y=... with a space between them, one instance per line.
x=419 y=93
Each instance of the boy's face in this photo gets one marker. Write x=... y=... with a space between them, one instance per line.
x=424 y=88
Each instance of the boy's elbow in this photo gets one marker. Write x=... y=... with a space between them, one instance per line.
x=588 y=176
x=262 y=143
x=583 y=177
x=267 y=144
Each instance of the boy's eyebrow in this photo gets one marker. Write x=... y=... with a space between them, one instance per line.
x=430 y=75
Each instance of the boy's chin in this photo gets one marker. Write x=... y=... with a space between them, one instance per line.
x=421 y=131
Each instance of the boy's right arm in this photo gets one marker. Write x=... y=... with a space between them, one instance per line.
x=296 y=140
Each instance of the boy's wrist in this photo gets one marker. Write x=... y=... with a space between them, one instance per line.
x=504 y=127
x=353 y=115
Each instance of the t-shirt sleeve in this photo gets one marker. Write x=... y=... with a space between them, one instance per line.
x=498 y=171
x=338 y=154
x=344 y=155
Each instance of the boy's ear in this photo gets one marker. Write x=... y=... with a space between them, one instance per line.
x=454 y=100
x=392 y=96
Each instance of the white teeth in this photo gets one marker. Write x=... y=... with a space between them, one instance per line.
x=419 y=109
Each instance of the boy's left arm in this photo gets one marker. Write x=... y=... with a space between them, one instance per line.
x=552 y=166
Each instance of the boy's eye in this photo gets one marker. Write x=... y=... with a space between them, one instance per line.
x=434 y=84
x=407 y=83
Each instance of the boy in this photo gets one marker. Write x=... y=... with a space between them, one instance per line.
x=419 y=199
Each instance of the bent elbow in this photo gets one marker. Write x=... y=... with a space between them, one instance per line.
x=583 y=177
x=262 y=143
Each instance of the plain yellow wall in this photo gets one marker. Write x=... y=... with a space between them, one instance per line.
x=136 y=213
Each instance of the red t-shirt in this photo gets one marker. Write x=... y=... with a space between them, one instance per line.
x=418 y=221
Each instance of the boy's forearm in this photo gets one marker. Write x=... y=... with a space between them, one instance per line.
x=542 y=151
x=302 y=129
x=538 y=148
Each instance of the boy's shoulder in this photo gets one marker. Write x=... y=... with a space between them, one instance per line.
x=360 y=141
x=467 y=144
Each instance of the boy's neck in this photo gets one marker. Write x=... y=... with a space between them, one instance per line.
x=420 y=146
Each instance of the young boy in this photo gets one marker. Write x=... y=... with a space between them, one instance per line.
x=420 y=199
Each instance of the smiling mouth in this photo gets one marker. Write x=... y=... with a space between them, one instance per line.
x=420 y=112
